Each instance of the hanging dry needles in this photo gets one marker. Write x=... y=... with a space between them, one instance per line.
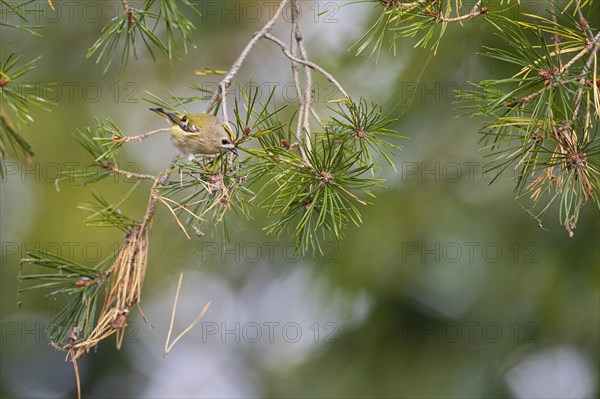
x=126 y=281
x=124 y=292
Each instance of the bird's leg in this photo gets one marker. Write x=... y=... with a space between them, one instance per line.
x=199 y=162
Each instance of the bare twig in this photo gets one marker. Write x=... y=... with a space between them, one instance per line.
x=524 y=100
x=309 y=64
x=308 y=97
x=538 y=219
x=398 y=4
x=126 y=6
x=584 y=71
x=139 y=137
x=296 y=75
x=130 y=175
x=221 y=90
x=583 y=52
x=475 y=11
x=298 y=55
x=130 y=21
x=314 y=114
x=583 y=22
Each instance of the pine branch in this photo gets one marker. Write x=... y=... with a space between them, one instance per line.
x=121 y=33
x=313 y=185
x=419 y=18
x=17 y=99
x=537 y=123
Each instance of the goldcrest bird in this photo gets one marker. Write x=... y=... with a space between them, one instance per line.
x=198 y=133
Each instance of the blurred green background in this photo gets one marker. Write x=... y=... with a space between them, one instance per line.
x=448 y=290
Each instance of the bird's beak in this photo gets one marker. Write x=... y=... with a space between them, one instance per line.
x=169 y=115
x=234 y=150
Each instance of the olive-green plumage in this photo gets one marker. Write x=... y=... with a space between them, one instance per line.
x=198 y=133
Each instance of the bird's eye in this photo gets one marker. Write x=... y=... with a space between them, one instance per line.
x=185 y=121
x=224 y=141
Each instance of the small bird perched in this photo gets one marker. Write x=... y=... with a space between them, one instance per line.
x=198 y=133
